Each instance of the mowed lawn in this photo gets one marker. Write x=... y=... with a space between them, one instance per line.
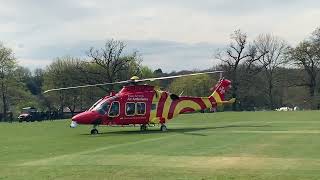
x=229 y=145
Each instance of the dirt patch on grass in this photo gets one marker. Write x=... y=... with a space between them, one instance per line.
x=204 y=162
x=280 y=132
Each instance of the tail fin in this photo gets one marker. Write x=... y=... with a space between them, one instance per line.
x=219 y=91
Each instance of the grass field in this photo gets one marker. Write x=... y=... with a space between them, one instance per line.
x=232 y=145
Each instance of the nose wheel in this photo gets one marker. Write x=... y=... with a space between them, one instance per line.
x=94 y=131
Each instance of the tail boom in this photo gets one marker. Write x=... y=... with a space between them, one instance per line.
x=169 y=108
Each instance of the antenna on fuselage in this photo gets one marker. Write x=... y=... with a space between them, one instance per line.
x=221 y=76
x=181 y=93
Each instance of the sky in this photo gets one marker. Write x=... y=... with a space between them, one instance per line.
x=168 y=34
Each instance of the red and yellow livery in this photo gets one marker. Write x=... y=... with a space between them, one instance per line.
x=144 y=105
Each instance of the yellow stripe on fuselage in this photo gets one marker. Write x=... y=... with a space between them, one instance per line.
x=207 y=102
x=180 y=106
x=153 y=113
x=217 y=97
x=185 y=104
x=166 y=107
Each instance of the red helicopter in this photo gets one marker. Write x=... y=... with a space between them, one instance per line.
x=146 y=105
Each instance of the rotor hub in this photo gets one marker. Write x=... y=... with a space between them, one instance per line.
x=134 y=78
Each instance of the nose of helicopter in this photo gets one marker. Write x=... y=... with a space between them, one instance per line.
x=73 y=124
x=87 y=117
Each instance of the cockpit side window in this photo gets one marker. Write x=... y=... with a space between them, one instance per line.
x=102 y=108
x=114 y=109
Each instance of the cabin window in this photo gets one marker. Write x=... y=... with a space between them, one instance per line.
x=130 y=109
x=141 y=108
x=114 y=109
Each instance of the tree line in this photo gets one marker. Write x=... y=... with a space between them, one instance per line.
x=266 y=72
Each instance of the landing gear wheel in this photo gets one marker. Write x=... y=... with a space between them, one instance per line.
x=143 y=127
x=163 y=128
x=94 y=131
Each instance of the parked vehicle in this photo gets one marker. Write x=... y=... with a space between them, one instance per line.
x=27 y=114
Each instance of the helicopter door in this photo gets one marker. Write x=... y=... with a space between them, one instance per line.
x=135 y=113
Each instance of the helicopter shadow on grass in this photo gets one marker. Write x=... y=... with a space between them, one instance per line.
x=186 y=131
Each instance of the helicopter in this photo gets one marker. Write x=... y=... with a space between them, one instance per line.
x=146 y=105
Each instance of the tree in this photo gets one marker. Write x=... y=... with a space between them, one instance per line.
x=239 y=53
x=315 y=37
x=158 y=72
x=276 y=49
x=112 y=63
x=63 y=72
x=7 y=67
x=132 y=67
x=35 y=81
x=306 y=55
x=146 y=72
x=193 y=85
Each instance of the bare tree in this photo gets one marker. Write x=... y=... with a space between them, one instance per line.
x=306 y=55
x=111 y=59
x=276 y=49
x=316 y=36
x=239 y=52
x=315 y=39
x=233 y=55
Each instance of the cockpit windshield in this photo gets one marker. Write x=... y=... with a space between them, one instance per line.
x=95 y=104
x=102 y=107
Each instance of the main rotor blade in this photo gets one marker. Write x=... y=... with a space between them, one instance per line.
x=131 y=81
x=84 y=86
x=177 y=76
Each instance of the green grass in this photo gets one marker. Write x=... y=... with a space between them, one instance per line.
x=242 y=145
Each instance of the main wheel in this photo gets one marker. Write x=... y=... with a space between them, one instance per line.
x=94 y=131
x=143 y=127
x=163 y=128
